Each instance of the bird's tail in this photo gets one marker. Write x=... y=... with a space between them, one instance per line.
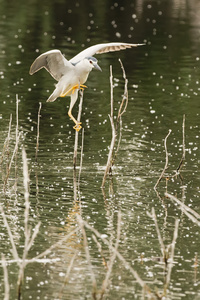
x=52 y=98
x=56 y=93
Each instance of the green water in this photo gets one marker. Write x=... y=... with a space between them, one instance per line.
x=163 y=84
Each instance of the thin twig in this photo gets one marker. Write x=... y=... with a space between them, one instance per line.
x=123 y=260
x=67 y=274
x=17 y=117
x=190 y=213
x=183 y=146
x=100 y=251
x=112 y=259
x=76 y=133
x=124 y=103
x=166 y=160
x=7 y=140
x=170 y=265
x=81 y=159
x=153 y=216
x=27 y=231
x=112 y=151
x=16 y=136
x=38 y=132
x=121 y=111
x=26 y=191
x=60 y=242
x=35 y=233
x=14 y=249
x=87 y=253
x=11 y=161
x=6 y=281
x=112 y=144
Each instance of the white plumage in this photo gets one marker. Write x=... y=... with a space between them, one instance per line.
x=72 y=74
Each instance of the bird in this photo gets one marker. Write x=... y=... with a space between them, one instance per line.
x=72 y=74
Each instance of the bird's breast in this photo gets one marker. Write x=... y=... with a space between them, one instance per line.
x=81 y=73
x=83 y=78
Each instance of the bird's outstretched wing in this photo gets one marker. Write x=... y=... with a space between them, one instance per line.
x=53 y=61
x=102 y=48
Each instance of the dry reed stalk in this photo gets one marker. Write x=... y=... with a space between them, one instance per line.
x=59 y=243
x=112 y=144
x=14 y=249
x=122 y=259
x=122 y=109
x=170 y=264
x=7 y=140
x=162 y=246
x=11 y=161
x=166 y=160
x=67 y=274
x=17 y=117
x=113 y=257
x=87 y=254
x=100 y=250
x=16 y=144
x=76 y=133
x=114 y=127
x=81 y=159
x=177 y=172
x=183 y=145
x=27 y=231
x=38 y=132
x=6 y=281
x=16 y=136
x=168 y=257
x=75 y=185
x=189 y=212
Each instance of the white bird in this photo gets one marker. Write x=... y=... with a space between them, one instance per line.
x=72 y=74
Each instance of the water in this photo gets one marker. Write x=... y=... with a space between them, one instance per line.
x=163 y=82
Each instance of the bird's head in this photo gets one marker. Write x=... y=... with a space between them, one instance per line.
x=92 y=62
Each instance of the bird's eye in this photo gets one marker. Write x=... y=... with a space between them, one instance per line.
x=90 y=61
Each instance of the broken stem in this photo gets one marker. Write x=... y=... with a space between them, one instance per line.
x=38 y=132
x=166 y=160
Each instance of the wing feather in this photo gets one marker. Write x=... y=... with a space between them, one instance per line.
x=54 y=62
x=102 y=48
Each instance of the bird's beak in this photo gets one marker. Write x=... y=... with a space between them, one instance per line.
x=96 y=66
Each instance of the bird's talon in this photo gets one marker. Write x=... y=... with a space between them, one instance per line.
x=77 y=127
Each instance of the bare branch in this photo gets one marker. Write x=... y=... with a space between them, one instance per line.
x=7 y=140
x=6 y=281
x=121 y=258
x=170 y=265
x=190 y=213
x=112 y=259
x=38 y=132
x=81 y=159
x=183 y=145
x=76 y=133
x=166 y=160
x=14 y=249
x=87 y=253
x=153 y=216
x=112 y=144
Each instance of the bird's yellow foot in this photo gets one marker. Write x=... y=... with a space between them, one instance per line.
x=72 y=90
x=77 y=127
x=81 y=87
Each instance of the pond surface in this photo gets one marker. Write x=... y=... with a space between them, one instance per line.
x=163 y=86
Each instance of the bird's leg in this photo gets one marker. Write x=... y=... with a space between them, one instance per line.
x=75 y=87
x=74 y=96
x=78 y=126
